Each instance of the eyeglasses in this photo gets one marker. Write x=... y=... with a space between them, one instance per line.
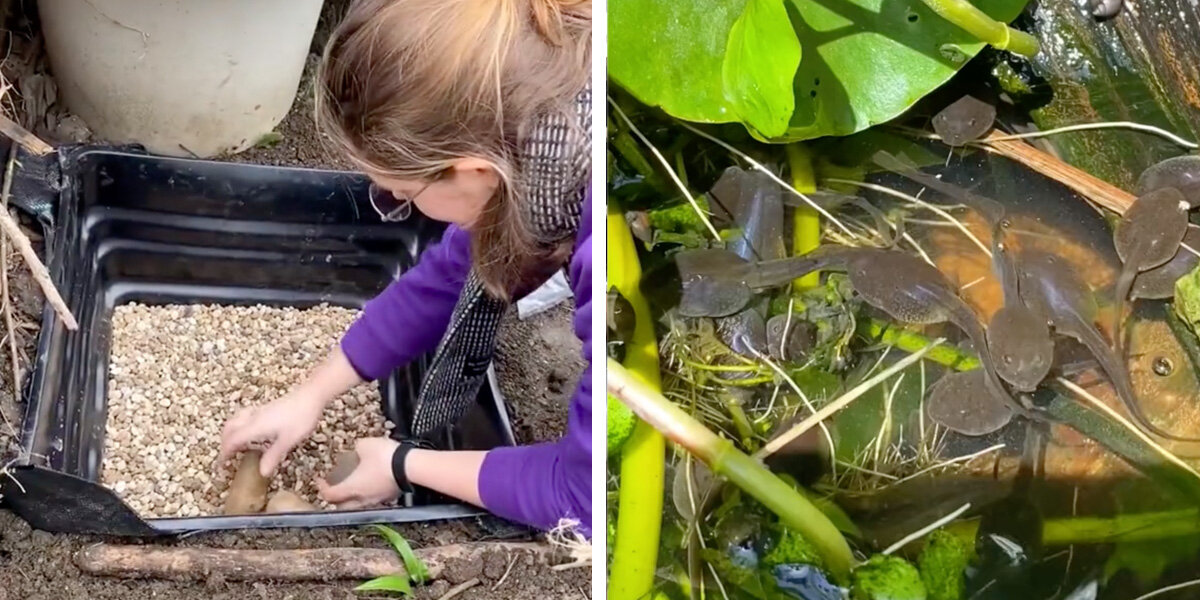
x=390 y=208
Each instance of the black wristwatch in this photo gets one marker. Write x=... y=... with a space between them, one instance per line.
x=398 y=458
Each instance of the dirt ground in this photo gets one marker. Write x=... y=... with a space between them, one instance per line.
x=538 y=364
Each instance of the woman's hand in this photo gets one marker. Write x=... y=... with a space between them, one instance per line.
x=371 y=483
x=454 y=473
x=282 y=423
x=285 y=422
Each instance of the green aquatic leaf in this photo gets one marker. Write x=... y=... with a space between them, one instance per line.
x=761 y=57
x=387 y=583
x=864 y=62
x=1187 y=299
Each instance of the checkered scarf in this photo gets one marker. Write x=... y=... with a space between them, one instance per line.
x=554 y=167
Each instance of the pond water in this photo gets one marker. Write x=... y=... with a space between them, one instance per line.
x=1069 y=505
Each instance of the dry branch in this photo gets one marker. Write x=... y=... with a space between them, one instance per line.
x=322 y=564
x=1093 y=188
x=24 y=137
x=4 y=291
x=25 y=247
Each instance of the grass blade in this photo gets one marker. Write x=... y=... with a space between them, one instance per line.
x=387 y=583
x=416 y=569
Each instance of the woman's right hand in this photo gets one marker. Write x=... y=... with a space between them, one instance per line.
x=285 y=422
x=281 y=424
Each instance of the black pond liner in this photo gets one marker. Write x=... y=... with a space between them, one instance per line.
x=125 y=227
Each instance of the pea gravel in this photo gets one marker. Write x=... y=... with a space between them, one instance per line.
x=178 y=372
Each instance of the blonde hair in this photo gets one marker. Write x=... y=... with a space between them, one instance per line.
x=408 y=87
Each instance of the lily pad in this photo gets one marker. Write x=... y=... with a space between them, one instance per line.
x=863 y=61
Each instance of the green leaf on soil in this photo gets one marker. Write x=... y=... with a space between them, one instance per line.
x=387 y=583
x=415 y=567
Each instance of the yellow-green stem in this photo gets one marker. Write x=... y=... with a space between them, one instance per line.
x=911 y=341
x=806 y=221
x=794 y=510
x=1137 y=527
x=976 y=22
x=640 y=499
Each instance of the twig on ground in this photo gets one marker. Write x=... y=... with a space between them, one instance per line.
x=4 y=294
x=194 y=563
x=40 y=274
x=507 y=570
x=460 y=588
x=23 y=137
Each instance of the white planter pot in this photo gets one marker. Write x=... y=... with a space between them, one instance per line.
x=181 y=77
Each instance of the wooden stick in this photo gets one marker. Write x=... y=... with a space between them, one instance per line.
x=178 y=563
x=23 y=137
x=25 y=247
x=460 y=588
x=7 y=298
x=1093 y=188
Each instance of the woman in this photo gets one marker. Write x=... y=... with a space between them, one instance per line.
x=476 y=112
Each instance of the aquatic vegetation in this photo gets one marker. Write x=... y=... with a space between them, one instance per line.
x=856 y=332
x=887 y=578
x=943 y=564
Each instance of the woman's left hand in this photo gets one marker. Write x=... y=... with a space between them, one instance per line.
x=372 y=483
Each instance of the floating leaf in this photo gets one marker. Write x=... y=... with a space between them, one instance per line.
x=864 y=61
x=761 y=57
x=387 y=583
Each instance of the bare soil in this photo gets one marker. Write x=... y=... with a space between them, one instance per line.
x=538 y=366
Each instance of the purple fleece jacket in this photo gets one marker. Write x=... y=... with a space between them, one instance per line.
x=538 y=484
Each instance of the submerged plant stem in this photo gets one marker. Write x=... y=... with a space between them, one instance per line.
x=911 y=341
x=643 y=456
x=793 y=509
x=1135 y=430
x=740 y=421
x=1135 y=527
x=806 y=222
x=1126 y=443
x=974 y=21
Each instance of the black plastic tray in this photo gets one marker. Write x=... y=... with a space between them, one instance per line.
x=134 y=228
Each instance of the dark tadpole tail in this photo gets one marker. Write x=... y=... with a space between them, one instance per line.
x=1091 y=338
x=775 y=273
x=1129 y=272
